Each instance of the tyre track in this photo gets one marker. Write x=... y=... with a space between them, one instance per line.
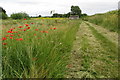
x=88 y=58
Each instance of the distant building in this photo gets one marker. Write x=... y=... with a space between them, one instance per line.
x=74 y=17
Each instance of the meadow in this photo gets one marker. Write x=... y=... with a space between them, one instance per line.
x=60 y=47
x=37 y=48
x=107 y=20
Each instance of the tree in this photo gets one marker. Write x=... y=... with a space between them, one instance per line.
x=19 y=15
x=3 y=14
x=39 y=16
x=75 y=10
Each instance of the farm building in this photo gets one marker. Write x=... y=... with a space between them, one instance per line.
x=74 y=17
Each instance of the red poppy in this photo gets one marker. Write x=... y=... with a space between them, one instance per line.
x=25 y=19
x=34 y=34
x=20 y=39
x=11 y=37
x=26 y=25
x=54 y=28
x=7 y=35
x=24 y=29
x=36 y=29
x=20 y=26
x=4 y=38
x=9 y=32
x=11 y=29
x=18 y=34
x=45 y=31
x=4 y=43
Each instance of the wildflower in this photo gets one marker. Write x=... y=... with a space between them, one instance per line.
x=54 y=28
x=36 y=29
x=24 y=29
x=26 y=25
x=34 y=34
x=20 y=39
x=9 y=32
x=11 y=29
x=18 y=34
x=20 y=26
x=4 y=38
x=45 y=31
x=25 y=19
x=4 y=43
x=7 y=35
x=11 y=37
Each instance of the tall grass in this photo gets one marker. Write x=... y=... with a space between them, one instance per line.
x=108 y=20
x=43 y=50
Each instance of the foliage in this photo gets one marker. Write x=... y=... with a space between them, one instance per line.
x=3 y=14
x=75 y=10
x=19 y=15
x=108 y=20
x=37 y=48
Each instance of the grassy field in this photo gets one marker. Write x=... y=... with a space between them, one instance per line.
x=37 y=48
x=108 y=20
x=60 y=48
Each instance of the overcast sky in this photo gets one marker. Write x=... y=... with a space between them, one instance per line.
x=43 y=7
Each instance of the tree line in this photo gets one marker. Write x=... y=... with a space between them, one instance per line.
x=75 y=10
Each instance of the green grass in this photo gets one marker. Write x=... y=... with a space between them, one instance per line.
x=110 y=54
x=38 y=55
x=108 y=20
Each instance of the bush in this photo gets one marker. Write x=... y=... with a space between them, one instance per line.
x=19 y=15
x=3 y=15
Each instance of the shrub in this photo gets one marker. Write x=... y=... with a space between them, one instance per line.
x=19 y=15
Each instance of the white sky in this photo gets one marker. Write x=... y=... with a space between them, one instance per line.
x=43 y=7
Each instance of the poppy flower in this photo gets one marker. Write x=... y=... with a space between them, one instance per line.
x=24 y=29
x=9 y=32
x=20 y=26
x=18 y=34
x=4 y=38
x=34 y=34
x=11 y=37
x=12 y=29
x=26 y=25
x=4 y=43
x=54 y=28
x=25 y=19
x=20 y=39
x=36 y=29
x=7 y=35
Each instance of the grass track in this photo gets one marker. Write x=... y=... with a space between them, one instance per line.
x=94 y=57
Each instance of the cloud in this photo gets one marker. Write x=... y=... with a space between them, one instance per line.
x=43 y=7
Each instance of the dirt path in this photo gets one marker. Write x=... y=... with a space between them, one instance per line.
x=89 y=58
